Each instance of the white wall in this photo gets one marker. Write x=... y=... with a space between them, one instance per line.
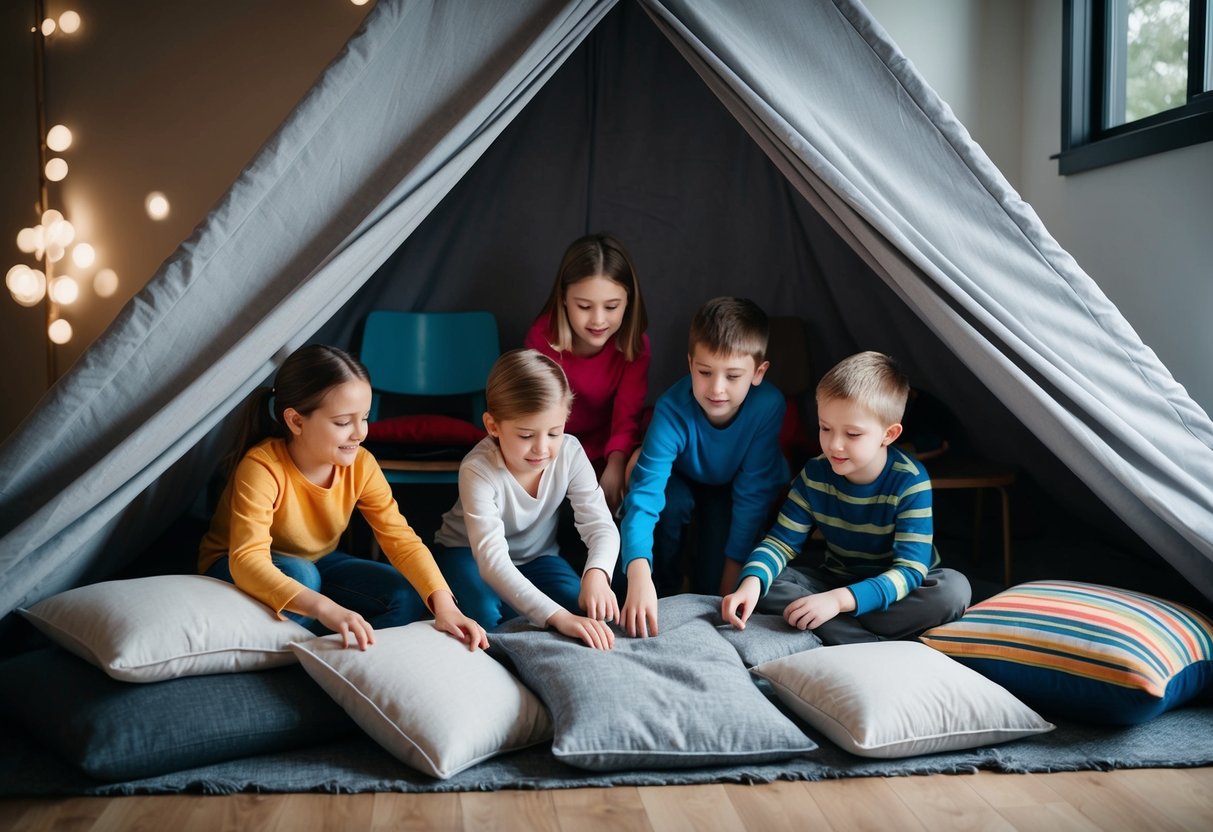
x=1140 y=229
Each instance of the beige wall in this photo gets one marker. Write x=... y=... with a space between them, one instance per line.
x=175 y=97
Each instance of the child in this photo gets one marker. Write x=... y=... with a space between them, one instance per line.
x=500 y=536
x=300 y=474
x=593 y=327
x=713 y=445
x=872 y=503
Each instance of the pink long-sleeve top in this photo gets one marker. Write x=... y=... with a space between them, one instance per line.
x=608 y=394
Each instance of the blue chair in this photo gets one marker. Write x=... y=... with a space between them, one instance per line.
x=428 y=354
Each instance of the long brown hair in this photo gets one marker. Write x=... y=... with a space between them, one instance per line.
x=590 y=256
x=302 y=382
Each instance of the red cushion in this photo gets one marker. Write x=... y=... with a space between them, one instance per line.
x=427 y=429
x=795 y=440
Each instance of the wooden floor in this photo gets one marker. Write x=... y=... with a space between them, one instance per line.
x=1163 y=799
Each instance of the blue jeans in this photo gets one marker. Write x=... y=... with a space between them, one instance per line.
x=711 y=506
x=551 y=574
x=376 y=591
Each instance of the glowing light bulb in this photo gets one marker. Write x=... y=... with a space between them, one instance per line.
x=56 y=169
x=69 y=22
x=157 y=205
x=27 y=285
x=359 y=2
x=27 y=240
x=65 y=290
x=62 y=232
x=16 y=277
x=84 y=255
x=48 y=27
x=60 y=331
x=59 y=138
x=50 y=217
x=105 y=283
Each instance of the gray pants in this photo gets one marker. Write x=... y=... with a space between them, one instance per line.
x=943 y=597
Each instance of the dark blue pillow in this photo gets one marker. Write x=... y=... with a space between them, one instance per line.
x=122 y=731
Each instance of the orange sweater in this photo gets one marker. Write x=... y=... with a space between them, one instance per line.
x=268 y=505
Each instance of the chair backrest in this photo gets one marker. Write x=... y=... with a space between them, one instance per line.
x=429 y=353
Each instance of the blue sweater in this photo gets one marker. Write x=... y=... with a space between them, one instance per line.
x=879 y=533
x=680 y=438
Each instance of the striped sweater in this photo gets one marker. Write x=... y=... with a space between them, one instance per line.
x=878 y=535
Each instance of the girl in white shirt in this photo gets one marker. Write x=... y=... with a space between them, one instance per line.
x=501 y=557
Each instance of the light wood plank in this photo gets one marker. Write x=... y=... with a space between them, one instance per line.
x=609 y=810
x=1048 y=817
x=1009 y=790
x=1109 y=801
x=674 y=808
x=417 y=812
x=503 y=811
x=947 y=802
x=319 y=812
x=72 y=814
x=778 y=806
x=863 y=803
x=1186 y=801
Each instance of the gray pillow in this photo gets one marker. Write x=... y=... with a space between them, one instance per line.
x=122 y=731
x=678 y=700
x=764 y=639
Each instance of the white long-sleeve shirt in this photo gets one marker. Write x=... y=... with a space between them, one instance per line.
x=505 y=526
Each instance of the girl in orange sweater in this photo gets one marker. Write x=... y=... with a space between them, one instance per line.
x=301 y=473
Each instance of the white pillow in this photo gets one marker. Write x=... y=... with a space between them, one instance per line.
x=898 y=699
x=162 y=627
x=426 y=698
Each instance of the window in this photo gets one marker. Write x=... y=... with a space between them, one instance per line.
x=1138 y=79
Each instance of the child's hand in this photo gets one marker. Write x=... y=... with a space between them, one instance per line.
x=736 y=608
x=639 y=614
x=597 y=598
x=593 y=633
x=448 y=618
x=612 y=480
x=811 y=611
x=343 y=622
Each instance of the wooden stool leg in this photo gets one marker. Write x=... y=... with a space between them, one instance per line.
x=977 y=512
x=1006 y=536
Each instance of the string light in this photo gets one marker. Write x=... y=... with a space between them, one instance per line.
x=48 y=240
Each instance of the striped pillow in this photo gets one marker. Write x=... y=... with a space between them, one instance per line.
x=1085 y=652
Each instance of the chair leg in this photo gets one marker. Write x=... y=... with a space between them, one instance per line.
x=978 y=506
x=1006 y=535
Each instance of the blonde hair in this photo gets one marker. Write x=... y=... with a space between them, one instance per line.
x=596 y=255
x=730 y=326
x=871 y=380
x=523 y=382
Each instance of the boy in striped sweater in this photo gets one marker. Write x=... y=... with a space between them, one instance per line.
x=880 y=577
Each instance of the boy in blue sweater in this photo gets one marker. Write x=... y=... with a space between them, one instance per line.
x=880 y=578
x=712 y=450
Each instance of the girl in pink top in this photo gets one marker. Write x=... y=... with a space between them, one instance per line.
x=593 y=326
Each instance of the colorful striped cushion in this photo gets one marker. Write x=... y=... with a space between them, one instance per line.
x=1086 y=652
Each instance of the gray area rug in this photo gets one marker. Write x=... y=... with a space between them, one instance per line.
x=1182 y=738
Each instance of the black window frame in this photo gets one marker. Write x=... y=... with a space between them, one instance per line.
x=1085 y=143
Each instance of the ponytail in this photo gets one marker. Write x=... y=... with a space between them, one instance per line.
x=301 y=383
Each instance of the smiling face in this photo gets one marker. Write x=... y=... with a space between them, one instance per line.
x=330 y=434
x=720 y=383
x=595 y=307
x=853 y=439
x=530 y=443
